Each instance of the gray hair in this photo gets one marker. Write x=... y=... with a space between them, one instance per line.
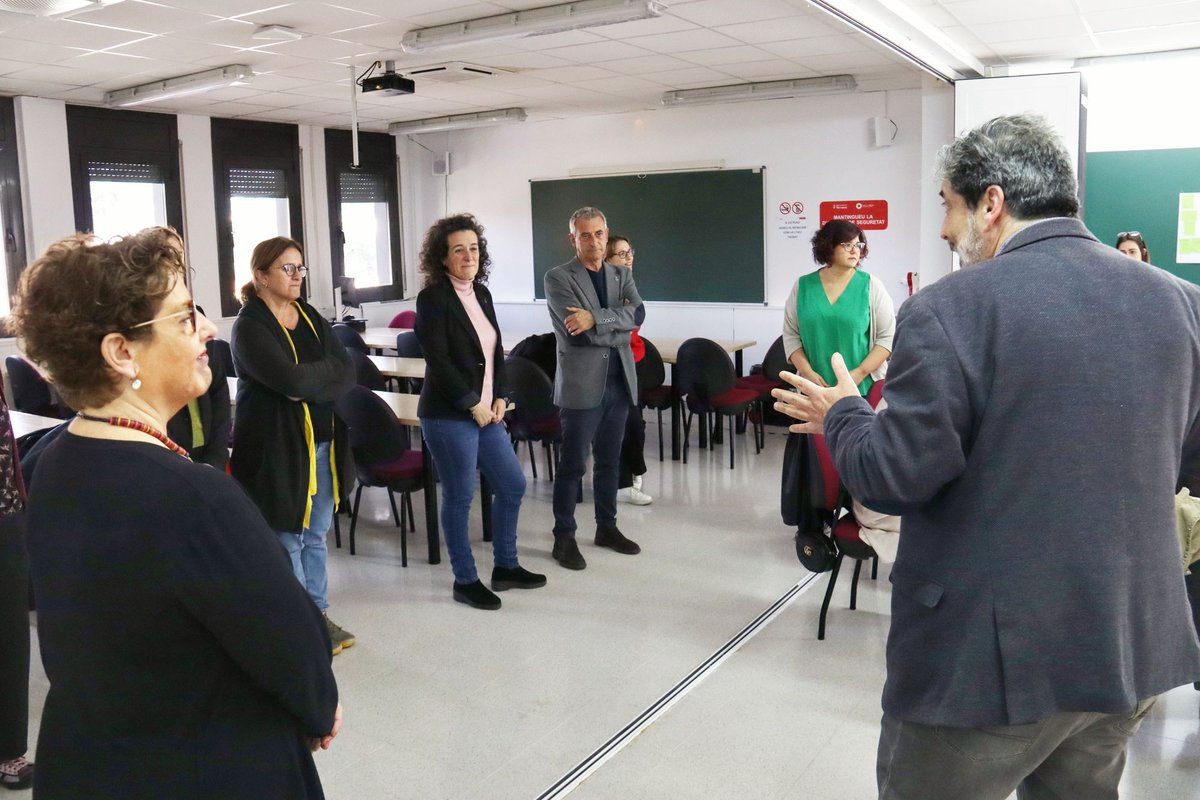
x=587 y=212
x=1022 y=155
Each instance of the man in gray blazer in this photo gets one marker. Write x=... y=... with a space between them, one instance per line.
x=593 y=306
x=1040 y=402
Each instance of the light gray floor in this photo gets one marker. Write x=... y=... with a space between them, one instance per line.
x=444 y=701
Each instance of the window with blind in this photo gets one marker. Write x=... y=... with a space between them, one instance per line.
x=364 y=214
x=257 y=183
x=124 y=170
x=12 y=222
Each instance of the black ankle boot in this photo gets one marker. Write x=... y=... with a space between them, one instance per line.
x=566 y=552
x=476 y=595
x=610 y=536
x=515 y=578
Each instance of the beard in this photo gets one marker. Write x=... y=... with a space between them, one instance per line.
x=970 y=248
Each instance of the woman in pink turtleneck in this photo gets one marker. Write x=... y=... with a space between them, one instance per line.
x=462 y=405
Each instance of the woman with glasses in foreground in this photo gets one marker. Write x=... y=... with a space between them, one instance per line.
x=839 y=309
x=1133 y=245
x=183 y=659
x=290 y=451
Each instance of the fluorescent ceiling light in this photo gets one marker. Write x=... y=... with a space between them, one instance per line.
x=763 y=90
x=51 y=8
x=232 y=75
x=530 y=22
x=276 y=33
x=458 y=121
x=905 y=33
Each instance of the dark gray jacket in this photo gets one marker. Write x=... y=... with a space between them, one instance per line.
x=583 y=359
x=1038 y=405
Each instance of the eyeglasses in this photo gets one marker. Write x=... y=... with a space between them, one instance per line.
x=189 y=313
x=853 y=246
x=292 y=269
x=1123 y=234
x=624 y=253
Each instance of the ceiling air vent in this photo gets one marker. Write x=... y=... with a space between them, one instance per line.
x=50 y=8
x=452 y=72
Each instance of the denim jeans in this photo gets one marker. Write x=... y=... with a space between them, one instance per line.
x=460 y=448
x=1067 y=755
x=307 y=547
x=602 y=429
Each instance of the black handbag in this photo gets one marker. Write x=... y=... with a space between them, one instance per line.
x=799 y=490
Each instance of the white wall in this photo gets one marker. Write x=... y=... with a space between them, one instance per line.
x=814 y=149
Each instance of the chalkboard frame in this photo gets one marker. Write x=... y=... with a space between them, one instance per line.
x=700 y=235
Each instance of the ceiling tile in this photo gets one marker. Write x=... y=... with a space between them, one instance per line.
x=639 y=66
x=982 y=12
x=775 y=30
x=38 y=52
x=713 y=13
x=575 y=72
x=171 y=48
x=683 y=41
x=148 y=17
x=597 y=52
x=683 y=78
x=826 y=45
x=314 y=19
x=778 y=69
x=77 y=34
x=1046 y=28
x=726 y=55
x=320 y=48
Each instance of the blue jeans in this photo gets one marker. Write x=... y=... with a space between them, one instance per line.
x=601 y=429
x=460 y=447
x=307 y=547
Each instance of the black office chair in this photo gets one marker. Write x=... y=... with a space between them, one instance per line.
x=383 y=457
x=541 y=349
x=535 y=418
x=350 y=338
x=219 y=349
x=408 y=345
x=706 y=376
x=365 y=372
x=653 y=391
x=32 y=393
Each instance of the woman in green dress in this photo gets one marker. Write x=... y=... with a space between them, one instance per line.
x=839 y=309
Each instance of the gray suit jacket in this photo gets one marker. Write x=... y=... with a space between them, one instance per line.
x=1038 y=405
x=583 y=359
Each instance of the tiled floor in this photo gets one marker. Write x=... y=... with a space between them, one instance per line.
x=443 y=701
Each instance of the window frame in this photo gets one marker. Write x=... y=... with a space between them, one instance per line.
x=250 y=144
x=376 y=156
x=140 y=137
x=12 y=216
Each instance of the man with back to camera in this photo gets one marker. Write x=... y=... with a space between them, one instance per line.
x=593 y=307
x=1038 y=605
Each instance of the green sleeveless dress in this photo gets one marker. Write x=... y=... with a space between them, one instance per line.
x=843 y=327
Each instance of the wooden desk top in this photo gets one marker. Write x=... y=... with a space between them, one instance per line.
x=404 y=406
x=396 y=367
x=379 y=338
x=23 y=423
x=668 y=346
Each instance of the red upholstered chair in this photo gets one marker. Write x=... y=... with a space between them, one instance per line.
x=763 y=382
x=382 y=457
x=704 y=375
x=405 y=319
x=846 y=530
x=535 y=418
x=653 y=391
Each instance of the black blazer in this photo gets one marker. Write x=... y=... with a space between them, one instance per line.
x=453 y=354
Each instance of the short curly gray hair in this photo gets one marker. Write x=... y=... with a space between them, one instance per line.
x=1023 y=156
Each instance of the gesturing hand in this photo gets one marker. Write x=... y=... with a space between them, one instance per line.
x=811 y=402
x=579 y=320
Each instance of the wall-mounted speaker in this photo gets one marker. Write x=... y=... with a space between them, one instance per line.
x=441 y=164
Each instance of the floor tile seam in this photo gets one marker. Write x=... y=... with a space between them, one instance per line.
x=580 y=772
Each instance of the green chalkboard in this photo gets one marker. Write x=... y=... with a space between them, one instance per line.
x=1138 y=190
x=698 y=235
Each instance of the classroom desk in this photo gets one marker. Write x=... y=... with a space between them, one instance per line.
x=23 y=423
x=397 y=367
x=379 y=338
x=668 y=347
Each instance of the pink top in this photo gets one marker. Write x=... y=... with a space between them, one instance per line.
x=483 y=329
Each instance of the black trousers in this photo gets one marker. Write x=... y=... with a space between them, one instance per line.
x=633 y=446
x=14 y=638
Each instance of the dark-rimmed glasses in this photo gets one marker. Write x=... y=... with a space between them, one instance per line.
x=189 y=312
x=292 y=269
x=624 y=253
x=1124 y=234
x=852 y=246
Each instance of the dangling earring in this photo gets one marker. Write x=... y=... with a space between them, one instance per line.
x=137 y=382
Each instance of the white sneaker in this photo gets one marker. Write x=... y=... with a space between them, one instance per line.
x=634 y=496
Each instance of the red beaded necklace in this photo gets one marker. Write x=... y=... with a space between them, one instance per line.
x=133 y=424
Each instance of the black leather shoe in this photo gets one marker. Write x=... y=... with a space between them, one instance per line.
x=566 y=552
x=610 y=536
x=476 y=595
x=515 y=578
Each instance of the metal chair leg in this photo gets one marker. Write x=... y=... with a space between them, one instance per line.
x=395 y=513
x=337 y=528
x=660 y=435
x=837 y=565
x=404 y=528
x=731 y=416
x=874 y=567
x=854 y=584
x=532 y=458
x=354 y=516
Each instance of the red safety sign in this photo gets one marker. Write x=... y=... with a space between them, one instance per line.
x=870 y=215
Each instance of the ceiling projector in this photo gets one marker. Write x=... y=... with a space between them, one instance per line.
x=388 y=83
